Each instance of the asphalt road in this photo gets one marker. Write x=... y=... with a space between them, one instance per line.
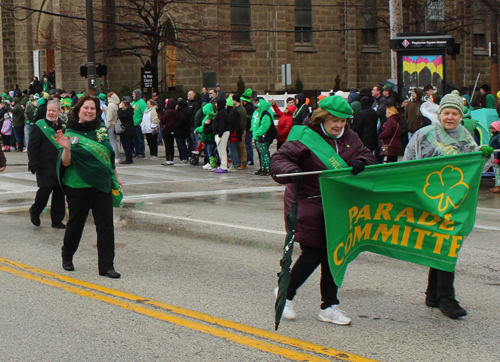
x=199 y=253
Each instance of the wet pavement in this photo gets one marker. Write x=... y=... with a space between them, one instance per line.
x=212 y=243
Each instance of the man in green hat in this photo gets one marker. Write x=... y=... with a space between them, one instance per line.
x=247 y=103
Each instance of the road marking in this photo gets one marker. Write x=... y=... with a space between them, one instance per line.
x=211 y=222
x=172 y=195
x=486 y=227
x=75 y=286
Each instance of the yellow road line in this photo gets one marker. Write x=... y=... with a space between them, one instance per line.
x=306 y=346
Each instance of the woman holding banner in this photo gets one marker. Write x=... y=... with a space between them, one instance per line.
x=87 y=174
x=448 y=137
x=323 y=142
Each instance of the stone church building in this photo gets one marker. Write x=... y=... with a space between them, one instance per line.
x=325 y=42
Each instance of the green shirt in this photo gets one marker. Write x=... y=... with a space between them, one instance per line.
x=139 y=107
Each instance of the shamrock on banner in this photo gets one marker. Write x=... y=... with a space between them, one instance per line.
x=418 y=211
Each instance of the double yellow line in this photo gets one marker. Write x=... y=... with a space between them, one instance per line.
x=248 y=336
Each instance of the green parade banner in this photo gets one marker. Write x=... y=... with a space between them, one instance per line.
x=418 y=211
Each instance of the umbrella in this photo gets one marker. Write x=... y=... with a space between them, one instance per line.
x=286 y=261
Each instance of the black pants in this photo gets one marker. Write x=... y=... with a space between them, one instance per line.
x=168 y=140
x=80 y=201
x=127 y=147
x=57 y=205
x=440 y=284
x=152 y=144
x=305 y=266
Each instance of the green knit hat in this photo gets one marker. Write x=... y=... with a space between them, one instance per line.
x=452 y=100
x=336 y=106
x=247 y=95
x=229 y=102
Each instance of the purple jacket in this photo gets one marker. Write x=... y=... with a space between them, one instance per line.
x=294 y=155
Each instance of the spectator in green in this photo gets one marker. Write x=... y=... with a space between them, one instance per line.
x=29 y=115
x=139 y=107
x=47 y=86
x=487 y=99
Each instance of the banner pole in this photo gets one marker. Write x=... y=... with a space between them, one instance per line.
x=298 y=174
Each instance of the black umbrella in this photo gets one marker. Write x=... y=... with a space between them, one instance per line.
x=286 y=261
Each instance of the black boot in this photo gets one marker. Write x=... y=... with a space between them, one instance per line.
x=67 y=263
x=451 y=308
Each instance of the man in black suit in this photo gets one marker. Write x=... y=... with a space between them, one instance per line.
x=42 y=160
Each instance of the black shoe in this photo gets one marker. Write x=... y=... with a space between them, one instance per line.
x=451 y=308
x=58 y=225
x=35 y=219
x=111 y=274
x=258 y=172
x=126 y=162
x=431 y=301
x=265 y=173
x=67 y=263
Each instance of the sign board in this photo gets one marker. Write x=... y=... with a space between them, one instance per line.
x=421 y=60
x=435 y=10
x=36 y=63
x=286 y=74
x=422 y=42
x=149 y=77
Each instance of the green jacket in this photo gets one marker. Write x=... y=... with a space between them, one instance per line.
x=208 y=111
x=139 y=107
x=490 y=101
x=29 y=113
x=263 y=120
x=17 y=114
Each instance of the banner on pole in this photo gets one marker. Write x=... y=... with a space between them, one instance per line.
x=418 y=211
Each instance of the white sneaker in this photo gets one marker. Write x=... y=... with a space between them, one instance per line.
x=207 y=166
x=289 y=311
x=153 y=158
x=184 y=161
x=334 y=315
x=117 y=160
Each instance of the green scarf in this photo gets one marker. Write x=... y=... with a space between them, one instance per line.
x=96 y=171
x=318 y=146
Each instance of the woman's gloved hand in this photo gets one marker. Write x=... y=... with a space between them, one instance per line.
x=357 y=166
x=487 y=151
x=296 y=180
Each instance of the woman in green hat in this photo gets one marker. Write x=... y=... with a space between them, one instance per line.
x=446 y=137
x=312 y=147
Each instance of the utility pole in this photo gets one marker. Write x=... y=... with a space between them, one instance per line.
x=91 y=71
x=494 y=49
x=396 y=20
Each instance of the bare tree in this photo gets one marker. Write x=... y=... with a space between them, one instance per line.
x=140 y=28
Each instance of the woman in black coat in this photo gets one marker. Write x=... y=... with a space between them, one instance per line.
x=365 y=124
x=126 y=116
x=182 y=129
